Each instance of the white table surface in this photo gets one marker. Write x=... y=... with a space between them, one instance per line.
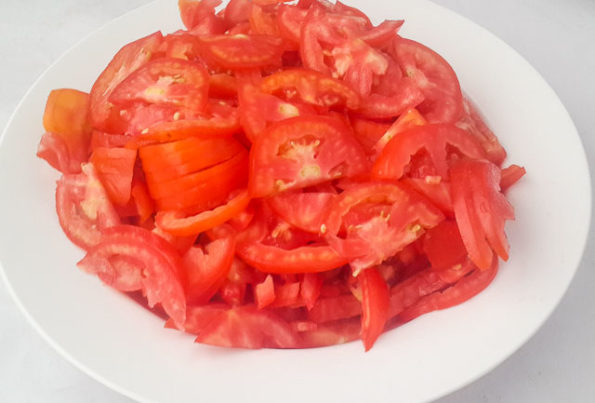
x=556 y=36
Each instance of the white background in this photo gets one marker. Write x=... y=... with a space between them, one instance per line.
x=556 y=36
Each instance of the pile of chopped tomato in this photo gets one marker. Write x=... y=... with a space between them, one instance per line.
x=281 y=175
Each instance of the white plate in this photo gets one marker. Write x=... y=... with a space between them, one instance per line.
x=120 y=344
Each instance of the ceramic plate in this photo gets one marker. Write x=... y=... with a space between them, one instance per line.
x=124 y=346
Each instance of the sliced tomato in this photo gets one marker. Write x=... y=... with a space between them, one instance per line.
x=264 y=293
x=103 y=139
x=242 y=51
x=207 y=268
x=166 y=161
x=368 y=132
x=359 y=64
x=84 y=208
x=223 y=121
x=157 y=263
x=443 y=245
x=464 y=289
x=371 y=222
x=434 y=189
x=332 y=333
x=176 y=224
x=115 y=168
x=381 y=106
x=434 y=139
x=200 y=18
x=310 y=288
x=303 y=259
x=481 y=210
x=142 y=200
x=289 y=20
x=304 y=210
x=335 y=308
x=303 y=151
x=311 y=87
x=473 y=122
x=180 y=45
x=243 y=327
x=443 y=101
x=179 y=83
x=511 y=175
x=201 y=190
x=53 y=149
x=128 y=59
x=222 y=85
x=375 y=304
x=66 y=116
x=263 y=21
x=236 y=12
x=409 y=119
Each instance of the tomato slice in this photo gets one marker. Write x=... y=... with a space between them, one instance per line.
x=66 y=115
x=371 y=222
x=53 y=149
x=473 y=122
x=289 y=20
x=368 y=132
x=242 y=51
x=150 y=256
x=510 y=176
x=115 y=168
x=176 y=224
x=127 y=60
x=435 y=139
x=311 y=87
x=375 y=304
x=443 y=245
x=201 y=190
x=409 y=119
x=303 y=259
x=83 y=207
x=236 y=12
x=240 y=327
x=332 y=333
x=335 y=308
x=304 y=210
x=384 y=106
x=222 y=122
x=310 y=288
x=433 y=75
x=464 y=289
x=303 y=151
x=175 y=82
x=200 y=18
x=481 y=210
x=264 y=293
x=207 y=268
x=263 y=21
x=167 y=161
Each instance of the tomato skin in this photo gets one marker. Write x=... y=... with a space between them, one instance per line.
x=433 y=75
x=481 y=210
x=127 y=60
x=84 y=208
x=179 y=83
x=303 y=151
x=375 y=304
x=443 y=245
x=159 y=266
